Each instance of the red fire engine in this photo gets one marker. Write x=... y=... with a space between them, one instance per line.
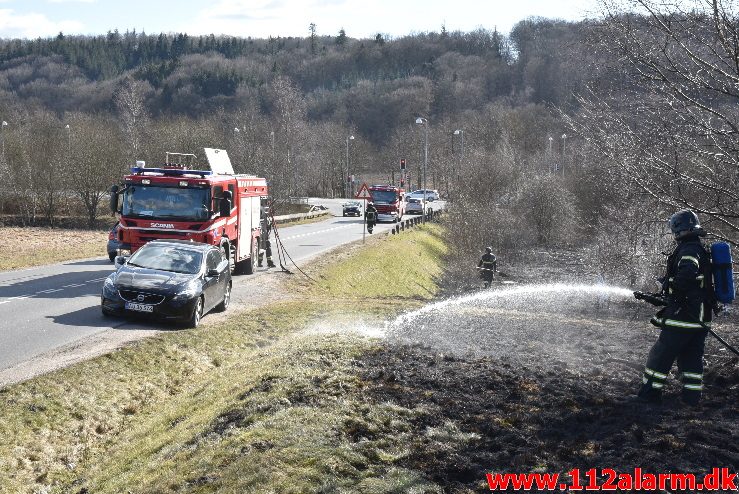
x=388 y=201
x=213 y=206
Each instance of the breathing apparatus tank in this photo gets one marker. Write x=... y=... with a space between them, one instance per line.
x=723 y=275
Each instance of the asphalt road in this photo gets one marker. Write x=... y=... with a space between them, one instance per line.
x=45 y=308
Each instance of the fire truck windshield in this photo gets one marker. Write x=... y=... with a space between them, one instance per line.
x=150 y=201
x=384 y=196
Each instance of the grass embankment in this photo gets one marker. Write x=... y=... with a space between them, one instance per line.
x=266 y=402
x=32 y=246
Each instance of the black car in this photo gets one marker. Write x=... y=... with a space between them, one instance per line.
x=169 y=280
x=115 y=245
x=352 y=208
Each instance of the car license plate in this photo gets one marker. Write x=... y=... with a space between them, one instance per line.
x=139 y=307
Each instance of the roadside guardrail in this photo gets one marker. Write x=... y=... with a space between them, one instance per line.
x=289 y=218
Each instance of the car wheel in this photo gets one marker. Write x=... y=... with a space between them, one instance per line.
x=197 y=314
x=226 y=299
x=106 y=312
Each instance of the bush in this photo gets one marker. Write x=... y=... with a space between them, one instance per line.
x=548 y=209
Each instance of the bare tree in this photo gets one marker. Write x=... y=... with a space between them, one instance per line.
x=130 y=101
x=96 y=152
x=290 y=110
x=674 y=129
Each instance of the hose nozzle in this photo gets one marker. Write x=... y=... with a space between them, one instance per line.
x=652 y=298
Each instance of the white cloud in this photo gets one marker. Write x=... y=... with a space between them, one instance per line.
x=262 y=18
x=32 y=25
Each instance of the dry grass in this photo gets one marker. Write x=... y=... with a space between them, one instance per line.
x=252 y=404
x=33 y=246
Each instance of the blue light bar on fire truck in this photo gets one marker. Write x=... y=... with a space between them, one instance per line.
x=170 y=172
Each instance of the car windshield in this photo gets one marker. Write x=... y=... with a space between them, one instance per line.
x=148 y=201
x=351 y=204
x=167 y=258
x=383 y=196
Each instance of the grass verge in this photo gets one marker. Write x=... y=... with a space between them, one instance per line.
x=269 y=401
x=32 y=246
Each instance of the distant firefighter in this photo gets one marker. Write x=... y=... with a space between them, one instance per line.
x=371 y=216
x=488 y=266
x=266 y=231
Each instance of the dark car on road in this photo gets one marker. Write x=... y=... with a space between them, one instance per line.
x=169 y=280
x=115 y=245
x=352 y=208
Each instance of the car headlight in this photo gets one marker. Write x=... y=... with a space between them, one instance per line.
x=109 y=288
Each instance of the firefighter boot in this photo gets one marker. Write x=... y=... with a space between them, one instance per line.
x=260 y=257
x=692 y=388
x=652 y=384
x=270 y=264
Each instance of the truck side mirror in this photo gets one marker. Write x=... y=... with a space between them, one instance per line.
x=114 y=199
x=225 y=205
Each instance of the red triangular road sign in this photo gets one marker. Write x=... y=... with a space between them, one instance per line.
x=363 y=192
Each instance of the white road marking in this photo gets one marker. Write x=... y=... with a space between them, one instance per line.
x=50 y=290
x=19 y=297
x=317 y=232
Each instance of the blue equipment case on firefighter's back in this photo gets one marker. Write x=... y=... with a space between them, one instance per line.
x=723 y=275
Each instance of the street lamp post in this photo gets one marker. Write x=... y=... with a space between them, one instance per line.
x=425 y=123
x=349 y=182
x=564 y=148
x=460 y=133
x=2 y=131
x=69 y=145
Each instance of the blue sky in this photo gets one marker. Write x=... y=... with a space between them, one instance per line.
x=262 y=18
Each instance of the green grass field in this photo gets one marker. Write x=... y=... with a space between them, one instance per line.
x=270 y=401
x=36 y=246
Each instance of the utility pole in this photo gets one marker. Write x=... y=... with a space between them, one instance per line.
x=425 y=123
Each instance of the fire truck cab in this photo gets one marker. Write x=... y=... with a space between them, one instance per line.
x=388 y=201
x=180 y=200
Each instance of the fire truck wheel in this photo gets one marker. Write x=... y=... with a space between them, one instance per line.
x=226 y=299
x=197 y=314
x=249 y=263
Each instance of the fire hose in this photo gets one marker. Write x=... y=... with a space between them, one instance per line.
x=658 y=300
x=282 y=255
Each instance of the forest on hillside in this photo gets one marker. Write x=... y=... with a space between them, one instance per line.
x=588 y=132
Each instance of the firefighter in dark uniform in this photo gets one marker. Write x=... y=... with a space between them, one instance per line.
x=266 y=231
x=685 y=318
x=371 y=216
x=488 y=266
